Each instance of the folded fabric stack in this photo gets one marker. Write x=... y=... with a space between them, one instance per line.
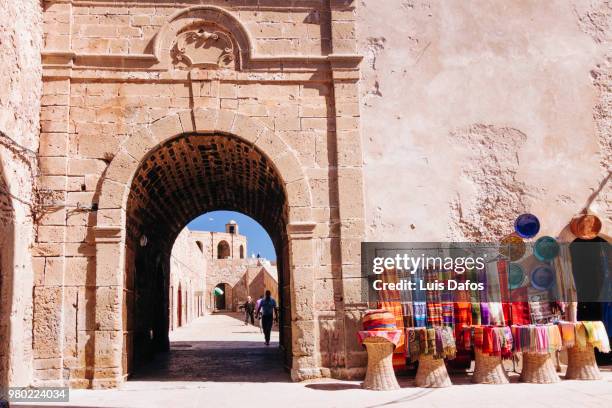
x=490 y=340
x=438 y=342
x=378 y=320
x=536 y=338
x=580 y=334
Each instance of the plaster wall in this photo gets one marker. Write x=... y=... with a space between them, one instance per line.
x=20 y=90
x=476 y=111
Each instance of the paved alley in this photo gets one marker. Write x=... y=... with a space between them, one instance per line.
x=218 y=361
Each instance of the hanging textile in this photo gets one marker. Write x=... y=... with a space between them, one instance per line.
x=580 y=334
x=536 y=338
x=446 y=296
x=542 y=312
x=493 y=341
x=390 y=300
x=434 y=300
x=472 y=275
x=520 y=314
x=406 y=302
x=419 y=304
x=494 y=295
x=437 y=341
x=485 y=317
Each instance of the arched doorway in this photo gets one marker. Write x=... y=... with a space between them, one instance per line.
x=269 y=185
x=180 y=179
x=179 y=306
x=592 y=271
x=223 y=250
x=220 y=296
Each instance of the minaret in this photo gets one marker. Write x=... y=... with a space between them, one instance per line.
x=231 y=227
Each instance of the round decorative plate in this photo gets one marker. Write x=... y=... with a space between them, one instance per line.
x=546 y=248
x=527 y=225
x=585 y=226
x=516 y=276
x=512 y=247
x=542 y=277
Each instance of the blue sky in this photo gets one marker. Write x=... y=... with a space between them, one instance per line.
x=258 y=239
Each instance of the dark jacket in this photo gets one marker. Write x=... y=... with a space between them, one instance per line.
x=249 y=307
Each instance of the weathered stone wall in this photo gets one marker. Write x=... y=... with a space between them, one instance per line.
x=188 y=266
x=20 y=89
x=485 y=110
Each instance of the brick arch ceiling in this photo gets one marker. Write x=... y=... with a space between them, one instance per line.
x=193 y=174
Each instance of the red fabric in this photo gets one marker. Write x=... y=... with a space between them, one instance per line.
x=520 y=313
x=390 y=301
x=507 y=309
x=463 y=317
x=394 y=336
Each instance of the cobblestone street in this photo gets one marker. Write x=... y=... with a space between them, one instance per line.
x=218 y=361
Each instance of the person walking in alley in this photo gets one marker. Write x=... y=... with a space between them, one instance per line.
x=257 y=315
x=269 y=314
x=249 y=309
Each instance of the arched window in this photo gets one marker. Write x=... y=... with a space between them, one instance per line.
x=223 y=250
x=241 y=251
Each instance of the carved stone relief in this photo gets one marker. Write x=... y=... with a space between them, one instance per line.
x=205 y=47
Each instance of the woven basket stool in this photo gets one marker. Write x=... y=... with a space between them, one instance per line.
x=489 y=370
x=581 y=364
x=432 y=373
x=538 y=368
x=379 y=374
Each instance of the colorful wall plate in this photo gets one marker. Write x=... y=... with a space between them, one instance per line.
x=512 y=247
x=585 y=226
x=516 y=276
x=542 y=277
x=527 y=225
x=546 y=248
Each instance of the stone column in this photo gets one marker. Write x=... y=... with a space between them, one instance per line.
x=345 y=75
x=109 y=342
x=304 y=337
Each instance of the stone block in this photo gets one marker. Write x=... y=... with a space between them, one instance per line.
x=206 y=119
x=79 y=271
x=110 y=264
x=50 y=233
x=109 y=307
x=52 y=165
x=289 y=167
x=79 y=167
x=53 y=144
x=166 y=127
x=112 y=195
x=46 y=322
x=122 y=168
x=271 y=144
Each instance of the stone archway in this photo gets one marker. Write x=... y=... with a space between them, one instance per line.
x=161 y=179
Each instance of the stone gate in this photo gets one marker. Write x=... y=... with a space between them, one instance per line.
x=153 y=113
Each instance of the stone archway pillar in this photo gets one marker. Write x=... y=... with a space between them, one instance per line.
x=305 y=342
x=109 y=334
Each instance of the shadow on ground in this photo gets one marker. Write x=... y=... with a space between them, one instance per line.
x=219 y=361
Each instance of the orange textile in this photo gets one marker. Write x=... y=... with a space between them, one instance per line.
x=390 y=301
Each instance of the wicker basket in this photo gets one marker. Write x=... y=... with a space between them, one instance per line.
x=489 y=370
x=538 y=368
x=432 y=373
x=379 y=375
x=581 y=364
